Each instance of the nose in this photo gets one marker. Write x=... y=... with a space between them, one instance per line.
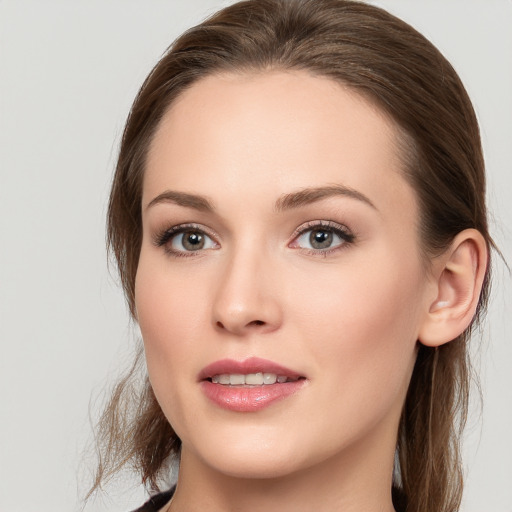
x=247 y=297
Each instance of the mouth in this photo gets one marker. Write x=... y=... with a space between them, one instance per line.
x=250 y=385
x=250 y=372
x=251 y=379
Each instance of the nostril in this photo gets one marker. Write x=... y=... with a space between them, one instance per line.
x=238 y=325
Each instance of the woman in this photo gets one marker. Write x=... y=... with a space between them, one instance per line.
x=299 y=221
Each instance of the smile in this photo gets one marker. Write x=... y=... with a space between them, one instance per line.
x=251 y=379
x=250 y=385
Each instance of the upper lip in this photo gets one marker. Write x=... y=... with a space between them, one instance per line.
x=251 y=365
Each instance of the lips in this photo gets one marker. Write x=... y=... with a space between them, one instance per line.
x=249 y=385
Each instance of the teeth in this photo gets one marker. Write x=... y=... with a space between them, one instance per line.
x=251 y=379
x=236 y=379
x=255 y=379
x=269 y=378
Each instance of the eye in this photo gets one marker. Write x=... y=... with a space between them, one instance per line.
x=322 y=237
x=180 y=240
x=191 y=241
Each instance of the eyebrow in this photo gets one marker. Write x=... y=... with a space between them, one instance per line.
x=194 y=201
x=285 y=202
x=311 y=195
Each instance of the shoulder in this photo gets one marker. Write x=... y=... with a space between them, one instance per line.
x=156 y=502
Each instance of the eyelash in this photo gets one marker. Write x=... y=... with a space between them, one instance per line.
x=346 y=236
x=163 y=238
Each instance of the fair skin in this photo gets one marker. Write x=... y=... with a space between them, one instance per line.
x=329 y=283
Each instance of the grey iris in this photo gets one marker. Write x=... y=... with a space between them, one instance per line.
x=192 y=240
x=320 y=239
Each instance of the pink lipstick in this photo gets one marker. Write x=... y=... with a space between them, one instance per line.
x=249 y=385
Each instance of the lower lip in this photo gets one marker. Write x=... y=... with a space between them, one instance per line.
x=249 y=398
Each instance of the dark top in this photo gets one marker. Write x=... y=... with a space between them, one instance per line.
x=156 y=502
x=159 y=500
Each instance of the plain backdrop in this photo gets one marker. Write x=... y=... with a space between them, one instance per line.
x=68 y=73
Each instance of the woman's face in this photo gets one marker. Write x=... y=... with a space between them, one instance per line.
x=280 y=243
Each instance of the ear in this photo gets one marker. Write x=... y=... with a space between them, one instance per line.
x=458 y=276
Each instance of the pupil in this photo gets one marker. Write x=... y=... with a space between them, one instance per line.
x=193 y=240
x=320 y=239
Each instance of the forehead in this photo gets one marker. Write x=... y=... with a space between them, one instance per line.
x=269 y=132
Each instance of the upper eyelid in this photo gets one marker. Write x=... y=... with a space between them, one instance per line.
x=159 y=235
x=309 y=225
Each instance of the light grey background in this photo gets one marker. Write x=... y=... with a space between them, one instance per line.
x=68 y=73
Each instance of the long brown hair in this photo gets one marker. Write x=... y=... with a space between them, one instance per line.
x=391 y=64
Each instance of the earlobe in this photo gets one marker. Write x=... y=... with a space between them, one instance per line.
x=459 y=276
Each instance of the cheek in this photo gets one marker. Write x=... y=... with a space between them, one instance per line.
x=362 y=322
x=360 y=336
x=369 y=296
x=169 y=316
x=171 y=323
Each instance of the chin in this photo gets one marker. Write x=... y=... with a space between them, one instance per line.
x=246 y=453
x=260 y=453
x=260 y=467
